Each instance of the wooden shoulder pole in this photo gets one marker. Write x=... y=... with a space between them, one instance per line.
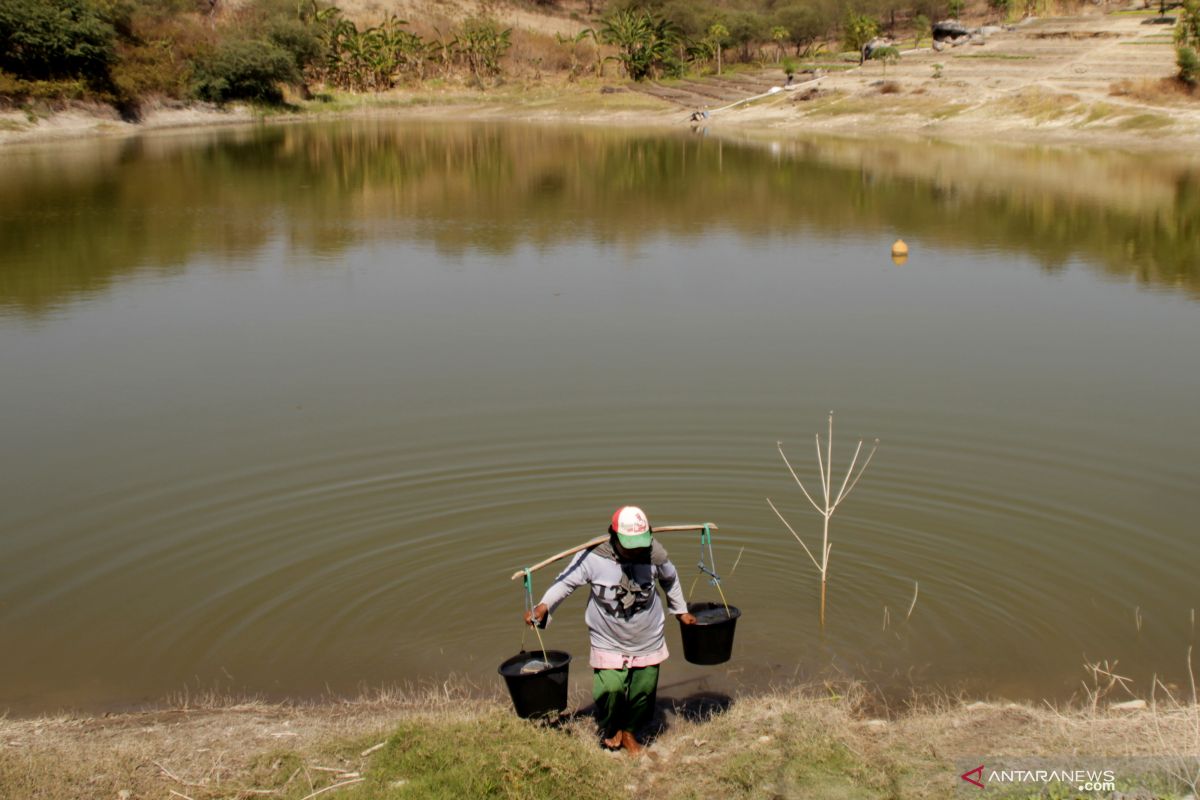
x=602 y=540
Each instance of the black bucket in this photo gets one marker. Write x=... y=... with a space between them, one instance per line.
x=710 y=639
x=538 y=693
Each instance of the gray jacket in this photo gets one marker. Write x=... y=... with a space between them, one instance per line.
x=624 y=613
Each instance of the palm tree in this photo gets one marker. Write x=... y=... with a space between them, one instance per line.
x=780 y=35
x=718 y=35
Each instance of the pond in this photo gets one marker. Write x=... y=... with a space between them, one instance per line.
x=284 y=407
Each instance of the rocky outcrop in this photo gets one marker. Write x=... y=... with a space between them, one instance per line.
x=949 y=29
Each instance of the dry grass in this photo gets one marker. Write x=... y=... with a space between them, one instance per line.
x=1163 y=91
x=818 y=741
x=1040 y=105
x=1145 y=122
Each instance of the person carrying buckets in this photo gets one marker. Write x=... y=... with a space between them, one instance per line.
x=625 y=619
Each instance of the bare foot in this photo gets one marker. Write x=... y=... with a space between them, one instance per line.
x=631 y=743
x=615 y=742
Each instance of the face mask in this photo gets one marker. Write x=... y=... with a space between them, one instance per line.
x=636 y=555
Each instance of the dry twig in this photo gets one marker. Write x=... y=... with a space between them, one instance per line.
x=831 y=500
x=913 y=604
x=331 y=787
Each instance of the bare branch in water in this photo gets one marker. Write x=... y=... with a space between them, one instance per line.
x=798 y=539
x=825 y=470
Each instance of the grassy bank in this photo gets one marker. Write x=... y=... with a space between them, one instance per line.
x=812 y=742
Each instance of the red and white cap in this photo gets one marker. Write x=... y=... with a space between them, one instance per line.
x=631 y=526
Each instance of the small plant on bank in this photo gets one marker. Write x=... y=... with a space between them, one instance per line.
x=885 y=55
x=573 y=42
x=937 y=71
x=481 y=45
x=789 y=68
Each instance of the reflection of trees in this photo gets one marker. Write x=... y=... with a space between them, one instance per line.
x=74 y=221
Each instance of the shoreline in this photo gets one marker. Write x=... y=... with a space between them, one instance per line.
x=819 y=740
x=627 y=108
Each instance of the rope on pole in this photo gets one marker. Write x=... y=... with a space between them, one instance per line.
x=529 y=606
x=713 y=578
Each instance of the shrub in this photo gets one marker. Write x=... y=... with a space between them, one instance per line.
x=244 y=69
x=886 y=55
x=16 y=90
x=645 y=43
x=55 y=39
x=481 y=45
x=297 y=39
x=1189 y=66
x=156 y=46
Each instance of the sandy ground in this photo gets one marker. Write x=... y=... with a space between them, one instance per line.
x=1094 y=79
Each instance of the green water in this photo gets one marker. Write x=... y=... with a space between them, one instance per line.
x=283 y=408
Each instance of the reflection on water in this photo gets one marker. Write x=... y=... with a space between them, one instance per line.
x=73 y=220
x=283 y=408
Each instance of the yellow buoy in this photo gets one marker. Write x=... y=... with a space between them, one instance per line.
x=899 y=252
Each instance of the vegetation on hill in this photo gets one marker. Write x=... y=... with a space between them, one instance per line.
x=128 y=52
x=125 y=52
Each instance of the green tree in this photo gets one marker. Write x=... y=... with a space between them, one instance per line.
x=1189 y=66
x=746 y=28
x=1187 y=34
x=805 y=25
x=244 y=69
x=55 y=39
x=689 y=17
x=859 y=29
x=923 y=29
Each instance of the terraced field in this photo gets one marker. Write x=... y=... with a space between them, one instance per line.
x=1102 y=69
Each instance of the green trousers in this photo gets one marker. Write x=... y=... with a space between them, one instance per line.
x=624 y=698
